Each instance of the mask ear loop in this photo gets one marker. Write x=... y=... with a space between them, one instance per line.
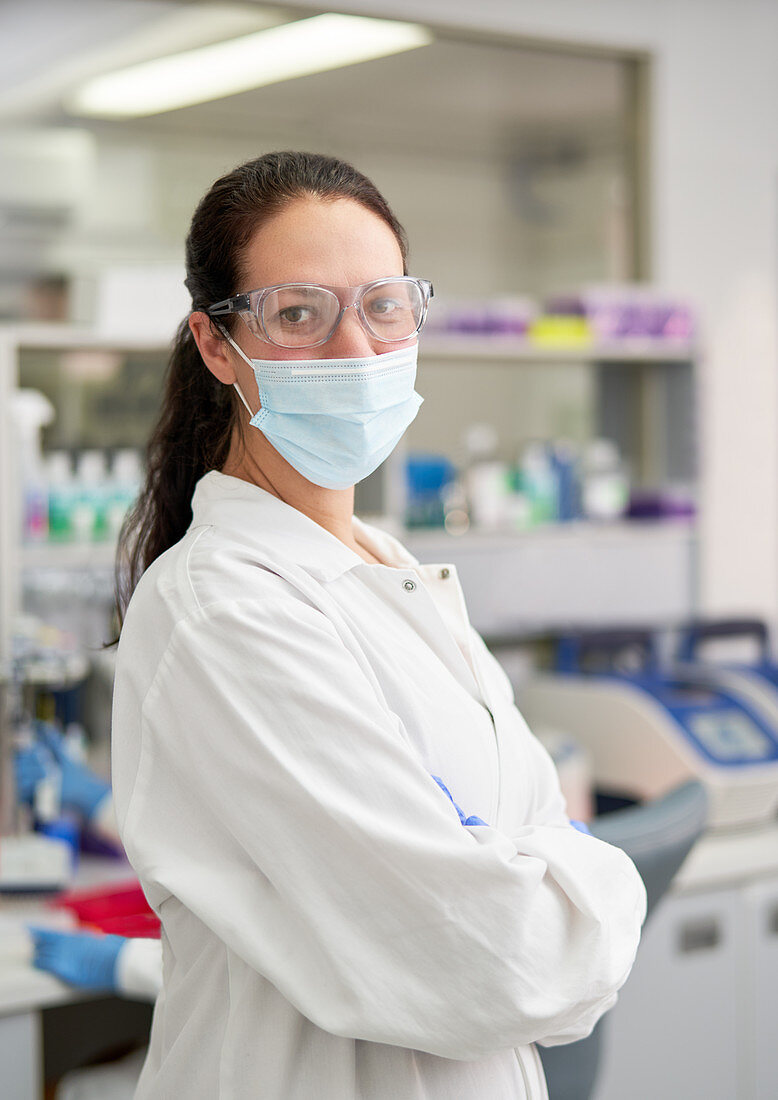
x=243 y=355
x=243 y=399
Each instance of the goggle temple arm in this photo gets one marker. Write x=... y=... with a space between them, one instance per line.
x=230 y=305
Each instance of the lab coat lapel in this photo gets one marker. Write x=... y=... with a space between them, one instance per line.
x=435 y=614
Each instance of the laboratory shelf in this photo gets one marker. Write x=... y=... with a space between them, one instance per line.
x=423 y=542
x=564 y=575
x=541 y=578
x=516 y=583
x=512 y=349
x=432 y=345
x=63 y=336
x=67 y=555
x=427 y=538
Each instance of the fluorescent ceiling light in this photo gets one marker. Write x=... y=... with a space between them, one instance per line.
x=279 y=53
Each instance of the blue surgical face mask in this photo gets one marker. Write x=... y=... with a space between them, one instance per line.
x=335 y=420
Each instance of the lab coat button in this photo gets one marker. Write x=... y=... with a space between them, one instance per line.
x=409 y=586
x=444 y=574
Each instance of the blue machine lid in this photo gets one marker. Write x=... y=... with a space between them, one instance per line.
x=725 y=730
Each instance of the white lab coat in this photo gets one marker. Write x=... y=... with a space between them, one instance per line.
x=330 y=929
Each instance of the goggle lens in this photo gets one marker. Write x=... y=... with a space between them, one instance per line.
x=393 y=311
x=297 y=316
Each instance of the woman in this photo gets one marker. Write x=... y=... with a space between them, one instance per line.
x=289 y=683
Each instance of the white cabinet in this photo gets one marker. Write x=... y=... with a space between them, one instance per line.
x=759 y=1030
x=673 y=1033
x=697 y=1018
x=21 y=1056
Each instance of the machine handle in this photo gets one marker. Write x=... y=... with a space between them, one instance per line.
x=700 y=631
x=573 y=648
x=699 y=935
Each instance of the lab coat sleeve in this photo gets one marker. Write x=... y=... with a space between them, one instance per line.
x=139 y=969
x=280 y=801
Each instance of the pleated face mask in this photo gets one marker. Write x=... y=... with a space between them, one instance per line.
x=335 y=420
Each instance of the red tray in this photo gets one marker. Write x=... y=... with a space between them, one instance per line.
x=121 y=910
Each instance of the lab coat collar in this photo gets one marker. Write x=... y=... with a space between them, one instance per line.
x=257 y=517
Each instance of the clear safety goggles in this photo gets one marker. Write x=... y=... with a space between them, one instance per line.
x=302 y=315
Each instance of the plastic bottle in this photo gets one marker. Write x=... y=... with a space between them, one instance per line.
x=49 y=820
x=124 y=486
x=62 y=496
x=427 y=476
x=31 y=412
x=455 y=508
x=539 y=482
x=75 y=742
x=605 y=484
x=89 y=511
x=565 y=464
x=47 y=796
x=485 y=478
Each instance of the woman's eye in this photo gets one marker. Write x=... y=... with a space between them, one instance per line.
x=295 y=315
x=384 y=306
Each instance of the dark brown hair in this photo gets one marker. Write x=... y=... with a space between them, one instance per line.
x=195 y=425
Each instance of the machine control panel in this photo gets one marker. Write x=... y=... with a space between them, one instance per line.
x=730 y=736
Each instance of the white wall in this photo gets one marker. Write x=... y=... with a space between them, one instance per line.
x=137 y=192
x=714 y=193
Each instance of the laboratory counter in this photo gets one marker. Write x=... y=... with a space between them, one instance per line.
x=46 y=1026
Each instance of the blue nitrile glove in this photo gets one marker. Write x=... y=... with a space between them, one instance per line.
x=80 y=958
x=473 y=820
x=82 y=790
x=581 y=826
x=29 y=769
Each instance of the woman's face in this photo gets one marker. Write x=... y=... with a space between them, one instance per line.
x=334 y=242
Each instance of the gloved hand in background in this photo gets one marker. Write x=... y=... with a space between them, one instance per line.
x=30 y=767
x=84 y=959
x=81 y=790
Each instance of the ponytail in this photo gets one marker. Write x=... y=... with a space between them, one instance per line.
x=191 y=437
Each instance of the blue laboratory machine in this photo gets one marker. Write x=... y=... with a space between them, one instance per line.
x=648 y=729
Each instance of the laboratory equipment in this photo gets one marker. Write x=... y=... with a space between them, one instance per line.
x=648 y=730
x=754 y=681
x=40 y=661
x=574 y=769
